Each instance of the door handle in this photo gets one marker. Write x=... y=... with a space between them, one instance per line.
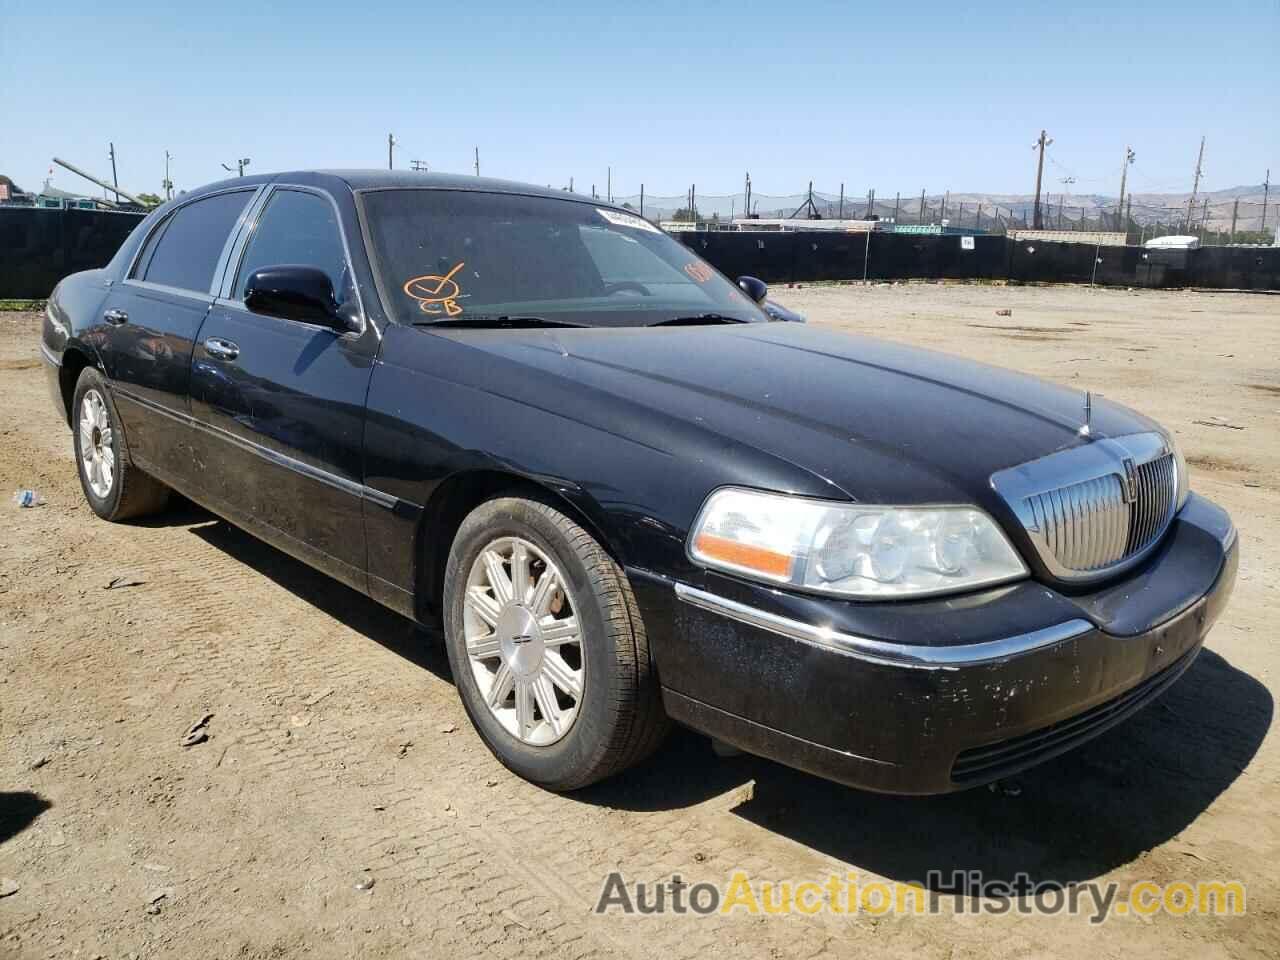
x=116 y=317
x=222 y=349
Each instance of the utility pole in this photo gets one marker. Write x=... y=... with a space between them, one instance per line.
x=1124 y=173
x=391 y=145
x=168 y=184
x=1204 y=218
x=921 y=206
x=642 y=199
x=946 y=201
x=1266 y=189
x=240 y=165
x=841 y=216
x=897 y=202
x=1128 y=214
x=477 y=161
x=1235 y=212
x=1195 y=187
x=871 y=203
x=747 y=191
x=608 y=184
x=112 y=153
x=1040 y=144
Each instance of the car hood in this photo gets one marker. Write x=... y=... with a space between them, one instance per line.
x=878 y=421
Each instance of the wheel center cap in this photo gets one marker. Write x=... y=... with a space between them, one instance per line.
x=520 y=640
x=97 y=438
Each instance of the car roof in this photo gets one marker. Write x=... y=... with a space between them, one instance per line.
x=400 y=180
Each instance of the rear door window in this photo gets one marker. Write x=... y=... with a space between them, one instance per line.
x=187 y=252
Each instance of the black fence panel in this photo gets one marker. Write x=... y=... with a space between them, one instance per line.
x=768 y=256
x=39 y=247
x=1037 y=261
x=1118 y=266
x=1237 y=268
x=900 y=256
x=1164 y=268
x=828 y=255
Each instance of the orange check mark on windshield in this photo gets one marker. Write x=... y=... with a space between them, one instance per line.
x=434 y=291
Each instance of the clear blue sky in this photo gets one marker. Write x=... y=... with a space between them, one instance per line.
x=896 y=96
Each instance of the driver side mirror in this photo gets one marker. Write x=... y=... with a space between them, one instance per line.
x=296 y=292
x=757 y=290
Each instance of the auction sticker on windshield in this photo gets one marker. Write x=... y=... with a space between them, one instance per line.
x=627 y=220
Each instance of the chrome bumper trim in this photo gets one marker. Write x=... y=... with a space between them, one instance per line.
x=882 y=651
x=50 y=357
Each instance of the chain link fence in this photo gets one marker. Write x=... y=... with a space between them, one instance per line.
x=1216 y=219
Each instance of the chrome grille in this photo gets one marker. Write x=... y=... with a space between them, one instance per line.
x=1086 y=525
x=1096 y=508
x=1155 y=489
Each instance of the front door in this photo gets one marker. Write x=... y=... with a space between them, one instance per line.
x=279 y=404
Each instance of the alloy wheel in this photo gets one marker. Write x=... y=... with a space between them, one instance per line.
x=524 y=641
x=97 y=454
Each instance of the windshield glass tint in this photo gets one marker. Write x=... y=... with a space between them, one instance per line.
x=459 y=255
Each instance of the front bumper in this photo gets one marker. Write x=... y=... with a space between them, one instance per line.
x=934 y=696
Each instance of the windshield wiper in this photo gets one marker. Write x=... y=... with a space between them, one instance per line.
x=697 y=320
x=503 y=321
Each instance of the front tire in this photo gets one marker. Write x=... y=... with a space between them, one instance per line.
x=114 y=487
x=547 y=647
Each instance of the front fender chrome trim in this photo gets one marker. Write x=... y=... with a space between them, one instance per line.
x=912 y=656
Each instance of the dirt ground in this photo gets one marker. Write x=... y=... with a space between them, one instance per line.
x=338 y=754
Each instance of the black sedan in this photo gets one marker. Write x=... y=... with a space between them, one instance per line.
x=630 y=498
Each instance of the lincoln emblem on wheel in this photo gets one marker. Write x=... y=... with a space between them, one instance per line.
x=622 y=496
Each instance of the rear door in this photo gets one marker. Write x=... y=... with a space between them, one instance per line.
x=279 y=403
x=151 y=321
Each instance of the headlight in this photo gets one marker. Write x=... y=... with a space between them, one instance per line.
x=1180 y=470
x=850 y=549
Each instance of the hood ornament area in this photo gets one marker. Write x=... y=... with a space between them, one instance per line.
x=1087 y=429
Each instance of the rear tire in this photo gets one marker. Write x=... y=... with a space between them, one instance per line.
x=114 y=487
x=591 y=705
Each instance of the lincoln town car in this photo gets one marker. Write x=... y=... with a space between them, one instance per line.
x=625 y=494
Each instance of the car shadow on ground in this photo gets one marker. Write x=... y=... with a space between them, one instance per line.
x=18 y=810
x=1074 y=818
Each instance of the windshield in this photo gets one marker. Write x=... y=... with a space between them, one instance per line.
x=461 y=255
